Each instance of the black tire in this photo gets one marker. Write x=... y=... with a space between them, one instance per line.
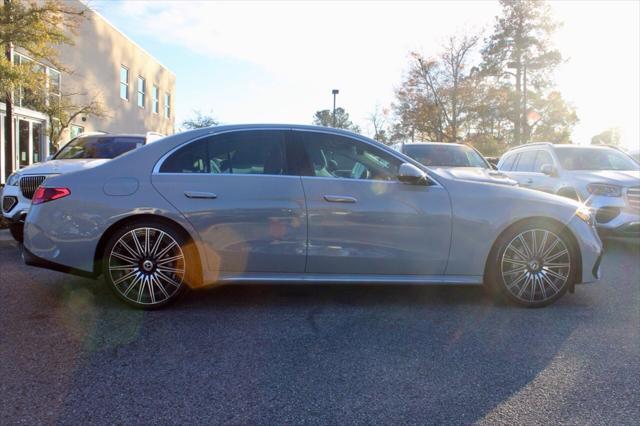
x=151 y=278
x=17 y=231
x=538 y=287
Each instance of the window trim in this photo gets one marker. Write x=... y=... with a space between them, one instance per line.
x=160 y=162
x=143 y=93
x=293 y=130
x=126 y=83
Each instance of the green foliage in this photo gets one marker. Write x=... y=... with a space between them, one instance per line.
x=608 y=137
x=38 y=29
x=199 y=121
x=446 y=97
x=342 y=121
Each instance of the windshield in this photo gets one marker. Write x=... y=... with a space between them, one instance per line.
x=445 y=156
x=98 y=147
x=572 y=158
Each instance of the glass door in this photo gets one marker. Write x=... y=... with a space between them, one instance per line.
x=24 y=141
x=29 y=137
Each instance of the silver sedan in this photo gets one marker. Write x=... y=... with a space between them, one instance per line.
x=278 y=203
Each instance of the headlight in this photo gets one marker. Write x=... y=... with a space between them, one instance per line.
x=13 y=179
x=604 y=189
x=584 y=213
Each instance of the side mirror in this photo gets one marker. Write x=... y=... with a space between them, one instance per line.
x=548 y=169
x=412 y=175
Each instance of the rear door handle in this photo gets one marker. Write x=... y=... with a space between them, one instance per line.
x=339 y=199
x=197 y=194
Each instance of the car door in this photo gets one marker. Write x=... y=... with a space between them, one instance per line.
x=541 y=181
x=523 y=169
x=362 y=220
x=235 y=190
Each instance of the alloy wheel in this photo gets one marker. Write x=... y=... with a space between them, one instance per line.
x=535 y=265
x=146 y=266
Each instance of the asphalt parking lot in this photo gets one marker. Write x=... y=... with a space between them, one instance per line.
x=71 y=353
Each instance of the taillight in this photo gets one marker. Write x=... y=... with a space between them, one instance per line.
x=42 y=195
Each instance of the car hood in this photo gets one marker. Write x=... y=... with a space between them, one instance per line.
x=617 y=177
x=476 y=174
x=61 y=166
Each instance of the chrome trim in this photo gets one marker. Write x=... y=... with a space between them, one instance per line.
x=402 y=157
x=29 y=183
x=633 y=197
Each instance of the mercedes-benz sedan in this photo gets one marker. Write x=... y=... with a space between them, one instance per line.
x=276 y=203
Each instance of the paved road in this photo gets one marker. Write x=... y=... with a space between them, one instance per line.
x=71 y=353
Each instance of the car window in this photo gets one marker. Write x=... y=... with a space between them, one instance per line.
x=543 y=158
x=342 y=157
x=244 y=152
x=507 y=163
x=248 y=152
x=576 y=158
x=526 y=162
x=191 y=158
x=98 y=147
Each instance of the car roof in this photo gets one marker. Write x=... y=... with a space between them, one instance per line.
x=111 y=135
x=433 y=144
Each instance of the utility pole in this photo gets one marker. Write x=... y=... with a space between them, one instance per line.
x=8 y=101
x=334 y=92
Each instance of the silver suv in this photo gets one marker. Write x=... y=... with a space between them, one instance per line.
x=606 y=179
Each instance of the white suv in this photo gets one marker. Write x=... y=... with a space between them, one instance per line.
x=86 y=150
x=606 y=179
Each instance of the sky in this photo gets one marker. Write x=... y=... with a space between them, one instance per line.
x=278 y=61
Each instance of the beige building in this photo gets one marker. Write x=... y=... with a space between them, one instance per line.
x=134 y=89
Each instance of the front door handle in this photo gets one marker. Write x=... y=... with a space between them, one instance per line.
x=339 y=199
x=196 y=194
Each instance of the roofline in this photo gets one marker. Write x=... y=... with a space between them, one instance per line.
x=84 y=3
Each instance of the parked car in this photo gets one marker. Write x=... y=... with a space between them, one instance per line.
x=635 y=154
x=86 y=150
x=276 y=203
x=459 y=161
x=606 y=179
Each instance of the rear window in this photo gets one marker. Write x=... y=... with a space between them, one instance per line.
x=98 y=147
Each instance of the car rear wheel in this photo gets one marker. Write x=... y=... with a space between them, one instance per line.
x=17 y=231
x=535 y=264
x=145 y=264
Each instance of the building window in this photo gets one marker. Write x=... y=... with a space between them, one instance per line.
x=74 y=131
x=124 y=83
x=54 y=86
x=167 y=105
x=155 y=94
x=141 y=92
x=50 y=79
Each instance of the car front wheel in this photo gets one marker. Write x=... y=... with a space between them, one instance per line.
x=145 y=265
x=535 y=264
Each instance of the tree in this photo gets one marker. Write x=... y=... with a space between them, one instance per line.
x=438 y=91
x=551 y=119
x=199 y=121
x=378 y=119
x=38 y=28
x=325 y=118
x=610 y=136
x=521 y=41
x=63 y=111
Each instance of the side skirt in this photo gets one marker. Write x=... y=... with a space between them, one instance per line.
x=274 y=278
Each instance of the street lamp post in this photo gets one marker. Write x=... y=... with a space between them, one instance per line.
x=334 y=92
